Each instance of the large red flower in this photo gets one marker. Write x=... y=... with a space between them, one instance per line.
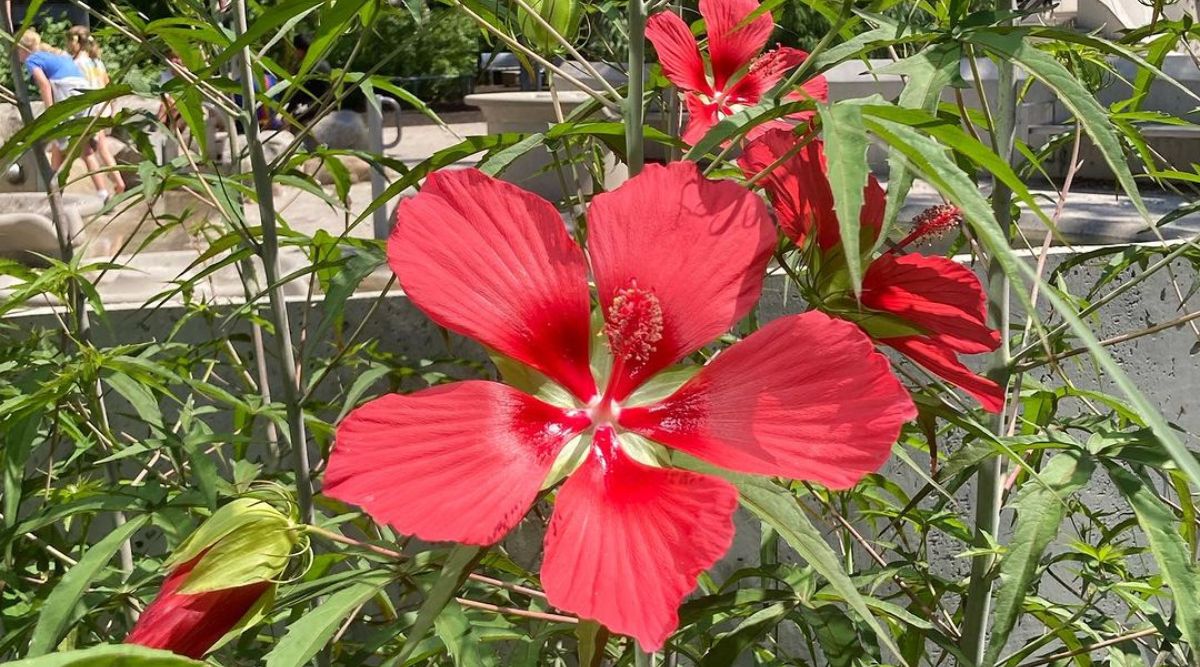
x=677 y=260
x=942 y=300
x=738 y=75
x=191 y=624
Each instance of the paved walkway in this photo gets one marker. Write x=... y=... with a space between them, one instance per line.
x=1090 y=217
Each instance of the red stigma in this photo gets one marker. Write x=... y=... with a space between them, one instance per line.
x=932 y=222
x=634 y=325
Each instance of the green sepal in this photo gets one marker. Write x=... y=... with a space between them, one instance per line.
x=245 y=541
x=879 y=325
x=569 y=458
x=522 y=376
x=644 y=450
x=662 y=385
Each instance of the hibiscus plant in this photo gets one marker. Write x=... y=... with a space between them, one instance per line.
x=778 y=374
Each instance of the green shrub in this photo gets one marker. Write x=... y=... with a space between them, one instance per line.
x=443 y=45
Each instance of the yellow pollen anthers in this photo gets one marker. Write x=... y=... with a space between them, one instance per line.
x=634 y=324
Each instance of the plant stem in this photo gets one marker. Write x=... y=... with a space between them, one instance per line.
x=269 y=252
x=62 y=232
x=392 y=553
x=635 y=101
x=539 y=615
x=989 y=481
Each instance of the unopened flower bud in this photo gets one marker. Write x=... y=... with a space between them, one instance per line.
x=220 y=580
x=561 y=15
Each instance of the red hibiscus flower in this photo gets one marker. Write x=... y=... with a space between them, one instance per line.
x=677 y=260
x=739 y=74
x=191 y=624
x=941 y=301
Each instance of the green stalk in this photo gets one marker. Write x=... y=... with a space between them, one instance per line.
x=635 y=103
x=989 y=482
x=76 y=297
x=269 y=252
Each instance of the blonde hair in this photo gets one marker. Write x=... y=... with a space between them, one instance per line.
x=31 y=41
x=79 y=38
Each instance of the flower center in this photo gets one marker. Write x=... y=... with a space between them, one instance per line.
x=634 y=325
x=603 y=411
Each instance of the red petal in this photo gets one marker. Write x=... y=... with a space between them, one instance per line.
x=702 y=116
x=874 y=207
x=816 y=88
x=732 y=41
x=937 y=294
x=460 y=462
x=677 y=51
x=805 y=397
x=627 y=541
x=493 y=262
x=944 y=363
x=695 y=249
x=765 y=72
x=799 y=189
x=189 y=625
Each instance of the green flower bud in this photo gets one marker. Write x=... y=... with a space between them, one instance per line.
x=246 y=541
x=562 y=15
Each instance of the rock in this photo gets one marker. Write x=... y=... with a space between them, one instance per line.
x=341 y=130
x=360 y=169
x=24 y=237
x=275 y=143
x=27 y=227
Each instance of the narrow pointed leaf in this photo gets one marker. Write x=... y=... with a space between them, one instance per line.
x=929 y=73
x=780 y=510
x=458 y=564
x=59 y=608
x=118 y=655
x=846 y=154
x=1072 y=93
x=1171 y=553
x=313 y=630
x=1040 y=511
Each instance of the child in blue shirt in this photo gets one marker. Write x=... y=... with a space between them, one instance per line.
x=57 y=78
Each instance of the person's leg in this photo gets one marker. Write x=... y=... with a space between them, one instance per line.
x=93 y=167
x=110 y=162
x=56 y=156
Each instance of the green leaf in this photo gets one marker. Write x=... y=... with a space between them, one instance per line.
x=1091 y=116
x=17 y=439
x=779 y=509
x=139 y=396
x=458 y=565
x=1171 y=553
x=313 y=630
x=122 y=655
x=59 y=608
x=454 y=629
x=592 y=638
x=1040 y=507
x=932 y=163
x=837 y=635
x=929 y=73
x=846 y=154
x=735 y=642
